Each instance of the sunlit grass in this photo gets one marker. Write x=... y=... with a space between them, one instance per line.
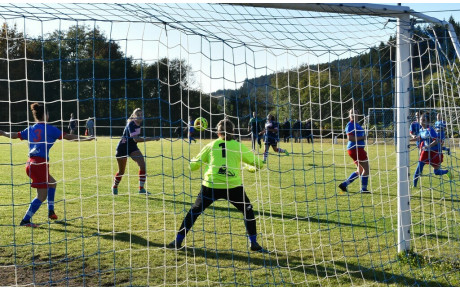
x=317 y=236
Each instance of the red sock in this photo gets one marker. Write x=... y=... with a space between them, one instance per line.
x=142 y=179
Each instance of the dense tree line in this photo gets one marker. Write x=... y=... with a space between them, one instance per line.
x=82 y=71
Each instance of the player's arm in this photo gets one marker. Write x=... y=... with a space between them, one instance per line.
x=202 y=157
x=12 y=135
x=74 y=137
x=145 y=139
x=250 y=158
x=353 y=138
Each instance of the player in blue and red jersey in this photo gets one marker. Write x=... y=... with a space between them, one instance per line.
x=191 y=130
x=41 y=137
x=440 y=127
x=355 y=147
x=127 y=147
x=271 y=136
x=430 y=150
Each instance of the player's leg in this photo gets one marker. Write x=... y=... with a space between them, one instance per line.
x=51 y=194
x=363 y=169
x=279 y=150
x=267 y=147
x=121 y=171
x=139 y=159
x=204 y=200
x=239 y=199
x=354 y=155
x=253 y=141
x=436 y=162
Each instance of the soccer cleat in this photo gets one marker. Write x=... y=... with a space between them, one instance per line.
x=449 y=174
x=448 y=151
x=143 y=191
x=255 y=247
x=52 y=215
x=365 y=191
x=114 y=191
x=27 y=223
x=343 y=187
x=286 y=153
x=174 y=245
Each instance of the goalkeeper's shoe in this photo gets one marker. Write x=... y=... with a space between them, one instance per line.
x=114 y=191
x=27 y=223
x=343 y=187
x=250 y=169
x=255 y=247
x=174 y=245
x=143 y=191
x=365 y=191
x=52 y=215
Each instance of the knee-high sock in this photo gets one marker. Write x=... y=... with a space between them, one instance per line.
x=352 y=177
x=117 y=180
x=141 y=179
x=34 y=206
x=364 y=181
x=51 y=194
x=418 y=172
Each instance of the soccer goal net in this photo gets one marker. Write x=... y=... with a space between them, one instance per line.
x=116 y=213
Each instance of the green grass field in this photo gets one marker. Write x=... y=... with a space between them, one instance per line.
x=317 y=236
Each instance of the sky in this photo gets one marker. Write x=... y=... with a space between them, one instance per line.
x=216 y=66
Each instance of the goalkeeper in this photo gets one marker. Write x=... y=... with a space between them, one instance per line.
x=221 y=180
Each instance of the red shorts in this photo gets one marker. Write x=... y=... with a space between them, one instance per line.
x=37 y=169
x=431 y=157
x=358 y=155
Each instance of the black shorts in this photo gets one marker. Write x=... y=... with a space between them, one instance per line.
x=271 y=141
x=125 y=149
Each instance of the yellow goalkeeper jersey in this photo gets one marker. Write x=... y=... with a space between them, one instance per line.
x=222 y=160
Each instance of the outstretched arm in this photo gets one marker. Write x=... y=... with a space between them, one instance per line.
x=74 y=137
x=144 y=139
x=12 y=135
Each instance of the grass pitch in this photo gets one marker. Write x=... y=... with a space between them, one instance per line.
x=317 y=235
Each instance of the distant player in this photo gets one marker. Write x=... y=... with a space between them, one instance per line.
x=286 y=130
x=41 y=137
x=355 y=147
x=90 y=126
x=72 y=124
x=415 y=129
x=430 y=150
x=309 y=130
x=191 y=130
x=254 y=127
x=221 y=180
x=296 y=131
x=127 y=147
x=440 y=127
x=271 y=136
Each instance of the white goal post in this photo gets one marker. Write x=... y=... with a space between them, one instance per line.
x=402 y=91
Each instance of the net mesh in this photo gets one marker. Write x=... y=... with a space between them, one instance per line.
x=176 y=61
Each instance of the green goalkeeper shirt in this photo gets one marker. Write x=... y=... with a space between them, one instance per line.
x=222 y=160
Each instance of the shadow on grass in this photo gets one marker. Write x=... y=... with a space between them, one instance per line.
x=277 y=263
x=277 y=215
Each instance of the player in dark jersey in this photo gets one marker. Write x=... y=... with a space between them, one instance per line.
x=127 y=147
x=254 y=126
x=271 y=136
x=41 y=137
x=430 y=145
x=355 y=147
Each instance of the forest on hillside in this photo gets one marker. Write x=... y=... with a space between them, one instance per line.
x=81 y=70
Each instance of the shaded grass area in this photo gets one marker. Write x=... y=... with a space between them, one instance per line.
x=317 y=235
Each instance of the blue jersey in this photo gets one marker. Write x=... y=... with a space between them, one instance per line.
x=427 y=136
x=440 y=127
x=415 y=130
x=191 y=129
x=41 y=138
x=355 y=129
x=270 y=136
